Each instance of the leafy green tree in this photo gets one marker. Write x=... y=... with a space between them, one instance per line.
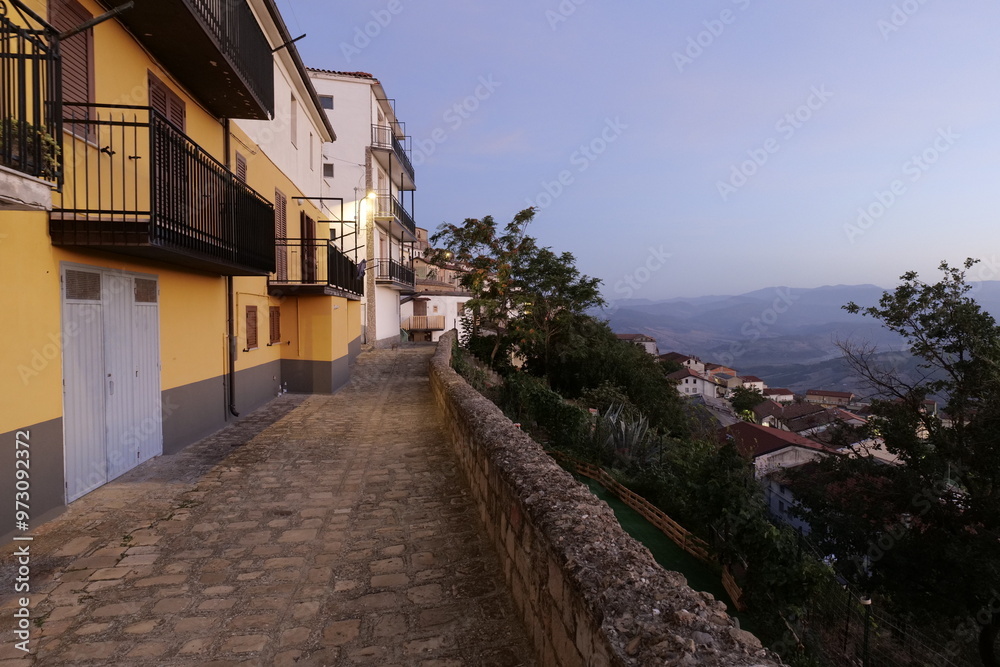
x=744 y=399
x=926 y=533
x=521 y=292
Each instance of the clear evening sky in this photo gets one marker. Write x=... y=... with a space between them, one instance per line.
x=688 y=148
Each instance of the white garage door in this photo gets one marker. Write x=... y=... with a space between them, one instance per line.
x=111 y=375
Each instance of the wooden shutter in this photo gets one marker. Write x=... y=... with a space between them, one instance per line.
x=77 y=52
x=308 y=236
x=241 y=168
x=77 y=56
x=166 y=102
x=275 y=322
x=281 y=234
x=251 y=327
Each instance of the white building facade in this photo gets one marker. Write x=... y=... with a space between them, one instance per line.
x=368 y=187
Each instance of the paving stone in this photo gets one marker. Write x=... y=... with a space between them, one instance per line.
x=245 y=644
x=341 y=632
x=318 y=530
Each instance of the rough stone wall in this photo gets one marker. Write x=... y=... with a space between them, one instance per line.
x=588 y=593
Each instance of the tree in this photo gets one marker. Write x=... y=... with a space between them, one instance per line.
x=926 y=533
x=745 y=399
x=489 y=259
x=521 y=291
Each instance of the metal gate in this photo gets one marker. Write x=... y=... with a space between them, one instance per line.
x=112 y=419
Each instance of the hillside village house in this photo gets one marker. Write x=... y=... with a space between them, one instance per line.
x=438 y=300
x=685 y=360
x=172 y=263
x=829 y=399
x=753 y=383
x=642 y=340
x=779 y=394
x=690 y=383
x=368 y=182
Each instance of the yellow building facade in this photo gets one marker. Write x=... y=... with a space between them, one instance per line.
x=168 y=267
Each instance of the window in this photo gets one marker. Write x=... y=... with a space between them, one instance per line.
x=327 y=170
x=241 y=167
x=77 y=54
x=251 y=327
x=275 y=324
x=326 y=102
x=166 y=102
x=294 y=122
x=280 y=234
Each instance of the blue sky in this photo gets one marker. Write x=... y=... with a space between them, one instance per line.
x=691 y=148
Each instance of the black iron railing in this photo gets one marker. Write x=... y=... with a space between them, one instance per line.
x=132 y=179
x=30 y=132
x=315 y=263
x=240 y=38
x=384 y=137
x=387 y=206
x=394 y=271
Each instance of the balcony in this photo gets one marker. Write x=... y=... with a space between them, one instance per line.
x=394 y=274
x=30 y=133
x=393 y=157
x=313 y=267
x=136 y=185
x=215 y=48
x=424 y=323
x=389 y=211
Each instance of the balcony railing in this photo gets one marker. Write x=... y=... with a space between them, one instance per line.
x=216 y=48
x=313 y=267
x=384 y=137
x=424 y=323
x=30 y=132
x=393 y=271
x=135 y=184
x=387 y=207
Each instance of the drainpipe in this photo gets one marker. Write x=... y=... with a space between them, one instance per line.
x=230 y=315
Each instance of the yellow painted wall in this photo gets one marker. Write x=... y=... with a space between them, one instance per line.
x=30 y=342
x=192 y=319
x=354 y=309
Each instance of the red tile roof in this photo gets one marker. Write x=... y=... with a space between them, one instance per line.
x=750 y=378
x=773 y=391
x=832 y=394
x=753 y=440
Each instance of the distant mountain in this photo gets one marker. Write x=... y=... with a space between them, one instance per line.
x=787 y=336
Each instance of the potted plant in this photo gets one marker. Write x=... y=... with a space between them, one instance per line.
x=37 y=142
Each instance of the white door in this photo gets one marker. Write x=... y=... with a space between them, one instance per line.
x=111 y=373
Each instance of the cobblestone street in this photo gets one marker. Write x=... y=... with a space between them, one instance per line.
x=318 y=530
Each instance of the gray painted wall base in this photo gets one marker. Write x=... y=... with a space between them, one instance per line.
x=315 y=377
x=47 y=489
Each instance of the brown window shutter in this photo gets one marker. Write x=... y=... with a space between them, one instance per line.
x=251 y=327
x=166 y=101
x=281 y=233
x=77 y=56
x=77 y=52
x=275 y=322
x=241 y=167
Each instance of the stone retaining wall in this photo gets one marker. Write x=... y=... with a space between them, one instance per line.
x=588 y=593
